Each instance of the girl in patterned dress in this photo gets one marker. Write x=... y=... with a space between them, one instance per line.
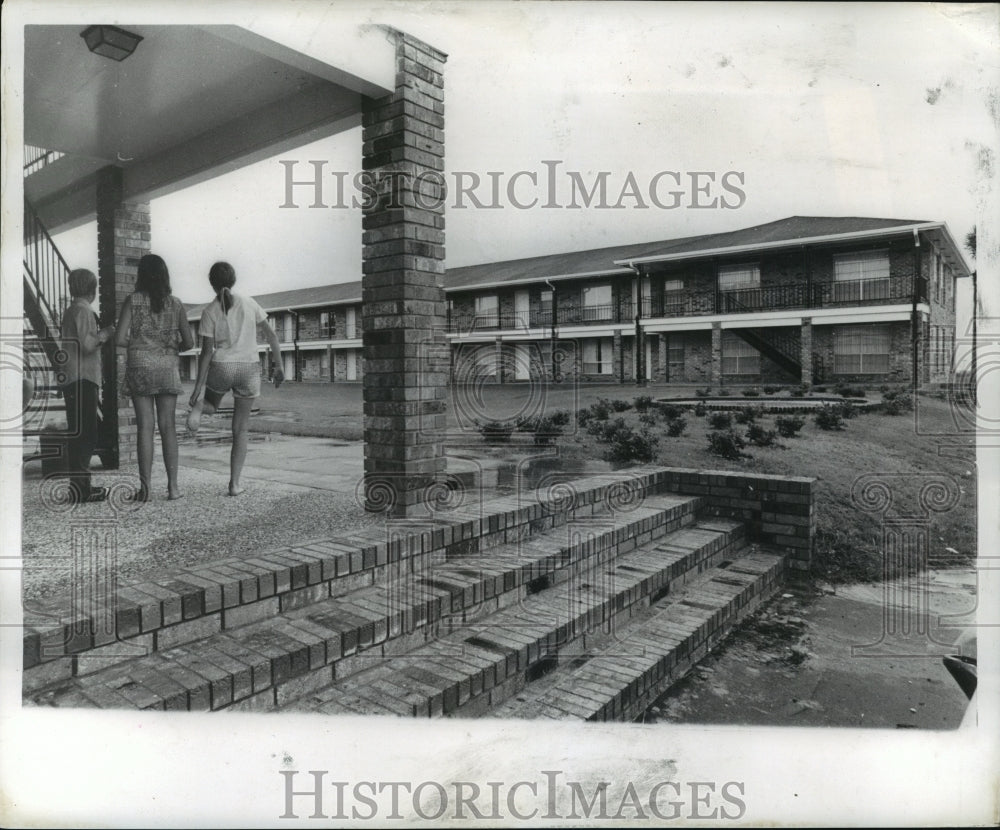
x=154 y=328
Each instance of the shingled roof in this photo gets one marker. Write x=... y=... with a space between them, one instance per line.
x=597 y=260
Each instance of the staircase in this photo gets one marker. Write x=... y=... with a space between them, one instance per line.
x=46 y=296
x=585 y=600
x=783 y=346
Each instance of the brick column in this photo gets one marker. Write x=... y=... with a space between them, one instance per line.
x=617 y=355
x=717 y=353
x=123 y=237
x=664 y=371
x=403 y=315
x=806 y=350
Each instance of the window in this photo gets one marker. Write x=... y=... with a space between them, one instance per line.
x=487 y=310
x=545 y=307
x=738 y=276
x=861 y=350
x=860 y=277
x=738 y=356
x=673 y=297
x=675 y=348
x=597 y=303
x=327 y=326
x=597 y=356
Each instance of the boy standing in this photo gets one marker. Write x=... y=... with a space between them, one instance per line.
x=82 y=341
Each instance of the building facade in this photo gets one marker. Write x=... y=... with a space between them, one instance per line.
x=801 y=300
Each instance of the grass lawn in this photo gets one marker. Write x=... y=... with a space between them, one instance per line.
x=849 y=539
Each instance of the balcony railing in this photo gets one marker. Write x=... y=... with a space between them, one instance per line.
x=704 y=301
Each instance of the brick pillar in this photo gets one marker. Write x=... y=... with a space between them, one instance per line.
x=617 y=356
x=717 y=353
x=664 y=373
x=806 y=350
x=123 y=237
x=403 y=312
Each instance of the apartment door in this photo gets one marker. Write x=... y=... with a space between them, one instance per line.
x=648 y=361
x=522 y=362
x=351 y=323
x=521 y=306
x=352 y=363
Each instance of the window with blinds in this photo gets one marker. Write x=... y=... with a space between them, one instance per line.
x=738 y=356
x=597 y=356
x=597 y=304
x=738 y=276
x=861 y=350
x=675 y=348
x=861 y=276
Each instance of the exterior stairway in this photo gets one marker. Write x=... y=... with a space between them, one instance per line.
x=585 y=600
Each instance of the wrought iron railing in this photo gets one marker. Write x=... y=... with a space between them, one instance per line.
x=704 y=301
x=46 y=273
x=35 y=158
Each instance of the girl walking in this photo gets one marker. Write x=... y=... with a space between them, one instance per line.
x=154 y=328
x=228 y=361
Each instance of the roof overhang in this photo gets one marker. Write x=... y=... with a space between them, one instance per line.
x=609 y=272
x=935 y=231
x=191 y=103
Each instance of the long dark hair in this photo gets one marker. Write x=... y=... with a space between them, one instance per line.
x=153 y=280
x=222 y=276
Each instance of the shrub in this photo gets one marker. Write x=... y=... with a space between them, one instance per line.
x=548 y=428
x=642 y=403
x=789 y=425
x=669 y=411
x=525 y=424
x=620 y=405
x=726 y=444
x=800 y=391
x=583 y=416
x=676 y=427
x=756 y=434
x=750 y=393
x=846 y=391
x=748 y=414
x=819 y=389
x=847 y=410
x=626 y=444
x=559 y=417
x=600 y=409
x=723 y=392
x=897 y=402
x=720 y=420
x=648 y=418
x=700 y=409
x=770 y=390
x=496 y=432
x=703 y=393
x=828 y=417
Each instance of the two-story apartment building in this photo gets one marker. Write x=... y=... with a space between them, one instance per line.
x=800 y=300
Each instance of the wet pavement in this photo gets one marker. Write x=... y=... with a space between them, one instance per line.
x=834 y=656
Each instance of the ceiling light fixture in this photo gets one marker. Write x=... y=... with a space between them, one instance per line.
x=110 y=41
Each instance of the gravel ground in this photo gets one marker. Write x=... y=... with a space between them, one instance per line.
x=161 y=535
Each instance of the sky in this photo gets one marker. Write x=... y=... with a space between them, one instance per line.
x=862 y=110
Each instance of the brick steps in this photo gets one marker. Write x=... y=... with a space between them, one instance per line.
x=268 y=654
x=62 y=640
x=621 y=680
x=452 y=614
x=477 y=667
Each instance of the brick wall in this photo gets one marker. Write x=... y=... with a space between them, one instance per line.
x=899 y=356
x=123 y=238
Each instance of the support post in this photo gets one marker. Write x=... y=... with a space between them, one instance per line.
x=123 y=238
x=405 y=348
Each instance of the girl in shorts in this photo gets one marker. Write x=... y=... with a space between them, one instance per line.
x=228 y=361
